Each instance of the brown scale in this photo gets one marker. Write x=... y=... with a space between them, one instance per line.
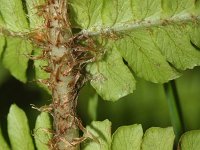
x=43 y=56
x=165 y=22
x=110 y=35
x=38 y=37
x=50 y=2
x=47 y=68
x=41 y=9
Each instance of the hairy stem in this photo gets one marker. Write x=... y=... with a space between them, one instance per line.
x=64 y=76
x=67 y=56
x=64 y=101
x=174 y=108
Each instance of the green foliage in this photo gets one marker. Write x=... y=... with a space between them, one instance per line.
x=190 y=140
x=124 y=138
x=13 y=15
x=15 y=57
x=131 y=138
x=102 y=133
x=42 y=133
x=158 y=39
x=108 y=74
x=153 y=36
x=158 y=139
x=14 y=24
x=127 y=137
x=18 y=129
x=35 y=21
x=20 y=134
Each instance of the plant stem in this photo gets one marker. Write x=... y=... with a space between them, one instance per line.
x=174 y=108
x=64 y=76
x=67 y=57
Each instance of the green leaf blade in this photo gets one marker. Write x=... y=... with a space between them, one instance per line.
x=133 y=13
x=15 y=58
x=82 y=10
x=190 y=140
x=145 y=58
x=18 y=129
x=158 y=139
x=42 y=131
x=127 y=138
x=174 y=43
x=153 y=36
x=34 y=9
x=194 y=35
x=14 y=15
x=111 y=78
x=101 y=131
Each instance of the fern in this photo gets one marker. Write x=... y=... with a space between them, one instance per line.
x=152 y=39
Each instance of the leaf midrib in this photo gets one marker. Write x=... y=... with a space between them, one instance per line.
x=148 y=22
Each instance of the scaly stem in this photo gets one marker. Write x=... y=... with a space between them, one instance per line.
x=174 y=108
x=64 y=76
x=67 y=56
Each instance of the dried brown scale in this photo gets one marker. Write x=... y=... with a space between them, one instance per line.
x=46 y=108
x=47 y=69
